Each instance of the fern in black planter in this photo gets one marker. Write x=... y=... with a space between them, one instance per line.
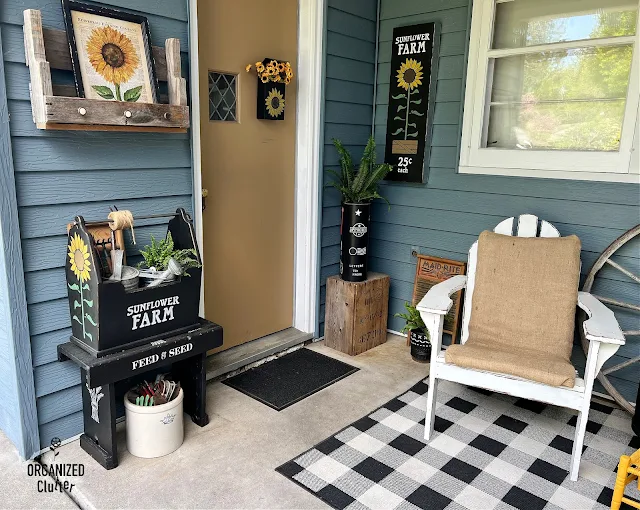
x=361 y=186
x=419 y=337
x=358 y=188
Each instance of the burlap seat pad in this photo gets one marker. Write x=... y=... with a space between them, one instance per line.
x=527 y=363
x=523 y=308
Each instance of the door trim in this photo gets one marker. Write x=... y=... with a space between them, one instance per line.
x=196 y=150
x=311 y=16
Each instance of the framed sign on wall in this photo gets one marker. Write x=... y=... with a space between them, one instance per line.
x=412 y=83
x=432 y=270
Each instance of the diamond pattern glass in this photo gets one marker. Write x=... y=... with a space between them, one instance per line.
x=222 y=96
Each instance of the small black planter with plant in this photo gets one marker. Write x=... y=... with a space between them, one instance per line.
x=358 y=188
x=418 y=334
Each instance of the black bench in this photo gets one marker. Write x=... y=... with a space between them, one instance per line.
x=186 y=352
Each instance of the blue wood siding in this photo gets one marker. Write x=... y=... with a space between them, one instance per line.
x=444 y=216
x=348 y=108
x=18 y=415
x=61 y=174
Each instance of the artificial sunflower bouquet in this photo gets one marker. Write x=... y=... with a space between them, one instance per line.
x=272 y=70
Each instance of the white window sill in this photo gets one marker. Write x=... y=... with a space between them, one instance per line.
x=551 y=174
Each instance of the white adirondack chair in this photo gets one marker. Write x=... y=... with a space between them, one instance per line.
x=601 y=329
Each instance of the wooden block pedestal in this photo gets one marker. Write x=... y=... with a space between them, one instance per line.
x=356 y=313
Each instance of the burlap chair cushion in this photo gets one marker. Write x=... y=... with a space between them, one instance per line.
x=523 y=308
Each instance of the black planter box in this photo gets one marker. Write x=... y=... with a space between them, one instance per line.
x=354 y=241
x=420 y=345
x=271 y=98
x=105 y=318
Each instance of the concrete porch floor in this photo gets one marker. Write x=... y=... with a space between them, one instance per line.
x=230 y=463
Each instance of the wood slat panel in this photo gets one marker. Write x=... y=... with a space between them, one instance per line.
x=452 y=20
x=51 y=187
x=410 y=8
x=348 y=113
x=345 y=46
x=363 y=8
x=348 y=91
x=59 y=404
x=44 y=154
x=52 y=220
x=347 y=133
x=43 y=347
x=329 y=254
x=349 y=70
x=555 y=211
x=561 y=189
x=48 y=316
x=330 y=236
x=55 y=376
x=65 y=427
x=331 y=156
x=341 y=22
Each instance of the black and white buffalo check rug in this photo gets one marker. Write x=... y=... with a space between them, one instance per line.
x=489 y=451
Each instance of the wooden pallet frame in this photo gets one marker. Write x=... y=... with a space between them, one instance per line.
x=61 y=111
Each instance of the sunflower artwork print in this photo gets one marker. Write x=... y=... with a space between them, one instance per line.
x=80 y=266
x=409 y=78
x=274 y=103
x=113 y=56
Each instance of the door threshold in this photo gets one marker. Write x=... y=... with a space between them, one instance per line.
x=233 y=359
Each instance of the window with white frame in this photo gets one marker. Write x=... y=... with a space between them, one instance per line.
x=552 y=89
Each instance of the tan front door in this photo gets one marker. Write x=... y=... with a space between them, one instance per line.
x=248 y=170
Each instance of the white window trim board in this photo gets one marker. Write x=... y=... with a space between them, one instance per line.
x=621 y=166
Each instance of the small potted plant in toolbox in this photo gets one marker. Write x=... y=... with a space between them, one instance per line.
x=163 y=262
x=273 y=76
x=418 y=334
x=358 y=189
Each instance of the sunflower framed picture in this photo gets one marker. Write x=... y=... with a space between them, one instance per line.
x=111 y=53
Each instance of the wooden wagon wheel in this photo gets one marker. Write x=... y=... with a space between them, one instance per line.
x=605 y=258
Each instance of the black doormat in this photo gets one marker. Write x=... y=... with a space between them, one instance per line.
x=289 y=379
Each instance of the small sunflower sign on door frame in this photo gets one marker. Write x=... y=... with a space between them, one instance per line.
x=412 y=82
x=273 y=76
x=111 y=53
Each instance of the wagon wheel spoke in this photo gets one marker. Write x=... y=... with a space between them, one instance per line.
x=616 y=306
x=615 y=302
x=620 y=366
x=623 y=270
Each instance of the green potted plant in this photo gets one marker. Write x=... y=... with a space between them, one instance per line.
x=358 y=188
x=417 y=332
x=158 y=257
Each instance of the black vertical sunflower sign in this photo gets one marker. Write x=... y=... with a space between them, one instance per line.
x=411 y=91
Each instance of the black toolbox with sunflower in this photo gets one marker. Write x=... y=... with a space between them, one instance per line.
x=108 y=316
